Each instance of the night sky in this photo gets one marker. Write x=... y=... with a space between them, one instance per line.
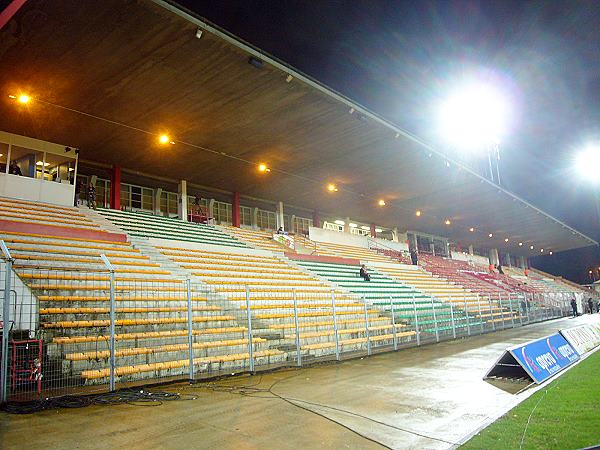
x=402 y=58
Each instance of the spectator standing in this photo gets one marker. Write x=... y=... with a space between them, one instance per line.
x=91 y=196
x=414 y=257
x=574 y=306
x=591 y=305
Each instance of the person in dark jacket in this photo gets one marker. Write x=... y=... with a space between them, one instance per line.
x=574 y=306
x=414 y=257
x=591 y=305
x=91 y=196
x=14 y=169
x=364 y=273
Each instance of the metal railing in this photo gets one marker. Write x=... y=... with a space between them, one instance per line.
x=103 y=329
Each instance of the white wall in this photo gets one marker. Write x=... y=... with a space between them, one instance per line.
x=476 y=259
x=334 y=237
x=36 y=190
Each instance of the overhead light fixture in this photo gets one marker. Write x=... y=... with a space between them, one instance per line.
x=289 y=78
x=39 y=163
x=471 y=229
x=418 y=213
x=531 y=247
x=541 y=250
x=520 y=244
x=505 y=239
x=447 y=222
x=587 y=163
x=262 y=167
x=381 y=202
x=332 y=187
x=490 y=235
x=339 y=222
x=164 y=139
x=352 y=225
x=199 y=32
x=550 y=252
x=23 y=98
x=364 y=227
x=378 y=230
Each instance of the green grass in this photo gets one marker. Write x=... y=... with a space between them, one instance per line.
x=567 y=417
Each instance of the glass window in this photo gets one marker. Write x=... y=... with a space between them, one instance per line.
x=26 y=162
x=125 y=196
x=222 y=212
x=169 y=203
x=266 y=220
x=148 y=199
x=60 y=169
x=102 y=193
x=302 y=225
x=3 y=157
x=246 y=215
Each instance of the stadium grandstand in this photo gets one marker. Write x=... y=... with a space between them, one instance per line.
x=177 y=204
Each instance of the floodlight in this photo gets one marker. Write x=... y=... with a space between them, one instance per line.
x=587 y=163
x=474 y=117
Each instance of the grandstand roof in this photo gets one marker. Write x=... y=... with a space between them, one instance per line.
x=140 y=63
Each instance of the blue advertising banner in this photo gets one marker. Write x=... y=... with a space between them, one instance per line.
x=544 y=357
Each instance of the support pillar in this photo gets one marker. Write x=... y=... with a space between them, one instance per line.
x=255 y=218
x=157 y=196
x=115 y=187
x=316 y=218
x=493 y=256
x=211 y=207
x=236 y=210
x=471 y=250
x=373 y=232
x=183 y=210
x=507 y=259
x=521 y=262
x=395 y=234
x=292 y=224
x=280 y=215
x=347 y=225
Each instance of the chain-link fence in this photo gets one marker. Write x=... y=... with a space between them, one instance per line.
x=81 y=331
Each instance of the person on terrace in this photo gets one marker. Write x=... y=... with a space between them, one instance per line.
x=364 y=273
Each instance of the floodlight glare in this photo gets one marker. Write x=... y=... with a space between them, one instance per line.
x=474 y=117
x=587 y=163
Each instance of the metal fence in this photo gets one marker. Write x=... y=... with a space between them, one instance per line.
x=81 y=331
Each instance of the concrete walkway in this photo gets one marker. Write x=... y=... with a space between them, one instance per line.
x=425 y=398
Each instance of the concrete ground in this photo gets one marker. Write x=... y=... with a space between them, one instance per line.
x=427 y=398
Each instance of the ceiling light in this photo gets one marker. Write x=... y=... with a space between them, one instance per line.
x=352 y=225
x=531 y=247
x=378 y=230
x=332 y=187
x=471 y=229
x=339 y=222
x=163 y=139
x=490 y=235
x=447 y=222
x=24 y=98
x=381 y=202
x=39 y=163
x=520 y=244
x=550 y=252
x=505 y=239
x=364 y=227
x=289 y=78
x=262 y=167
x=418 y=213
x=541 y=250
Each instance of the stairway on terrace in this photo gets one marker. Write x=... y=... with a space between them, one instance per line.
x=409 y=304
x=276 y=289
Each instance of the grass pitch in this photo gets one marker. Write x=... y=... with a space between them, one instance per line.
x=563 y=415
